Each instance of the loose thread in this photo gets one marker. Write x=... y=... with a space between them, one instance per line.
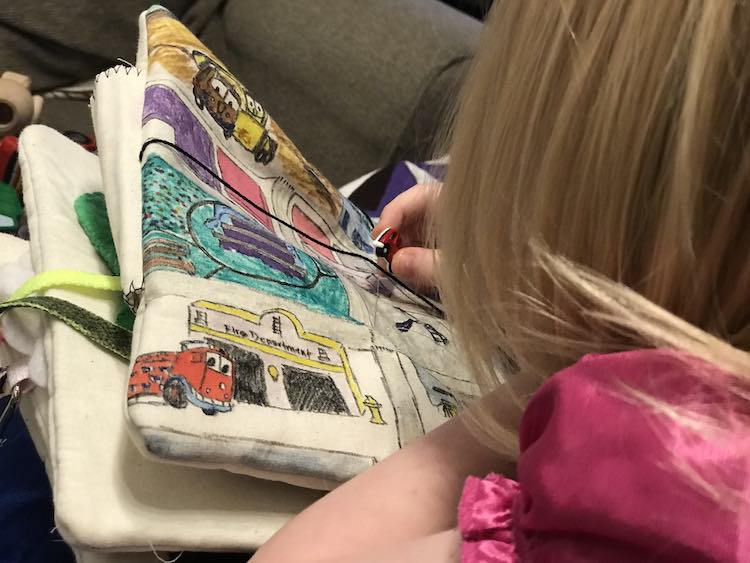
x=159 y=557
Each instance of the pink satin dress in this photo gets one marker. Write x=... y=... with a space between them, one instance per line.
x=603 y=478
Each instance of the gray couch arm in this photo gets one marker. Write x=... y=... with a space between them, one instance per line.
x=353 y=82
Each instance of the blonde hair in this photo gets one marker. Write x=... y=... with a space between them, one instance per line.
x=598 y=193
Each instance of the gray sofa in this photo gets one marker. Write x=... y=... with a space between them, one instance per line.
x=355 y=83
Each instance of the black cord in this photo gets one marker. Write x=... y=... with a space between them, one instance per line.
x=289 y=225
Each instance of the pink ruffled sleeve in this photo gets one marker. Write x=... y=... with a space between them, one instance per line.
x=597 y=479
x=485 y=518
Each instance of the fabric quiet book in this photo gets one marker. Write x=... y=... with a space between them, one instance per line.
x=266 y=340
x=107 y=495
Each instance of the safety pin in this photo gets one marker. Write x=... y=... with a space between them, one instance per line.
x=10 y=408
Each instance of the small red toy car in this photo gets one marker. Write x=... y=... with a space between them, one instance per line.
x=387 y=244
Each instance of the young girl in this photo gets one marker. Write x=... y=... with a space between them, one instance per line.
x=595 y=222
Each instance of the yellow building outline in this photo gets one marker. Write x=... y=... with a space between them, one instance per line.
x=363 y=403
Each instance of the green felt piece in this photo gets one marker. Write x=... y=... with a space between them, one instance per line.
x=10 y=208
x=91 y=210
x=125 y=318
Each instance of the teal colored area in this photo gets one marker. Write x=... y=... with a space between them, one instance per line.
x=186 y=230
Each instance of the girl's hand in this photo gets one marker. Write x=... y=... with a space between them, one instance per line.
x=409 y=214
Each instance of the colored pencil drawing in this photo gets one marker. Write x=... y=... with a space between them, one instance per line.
x=184 y=229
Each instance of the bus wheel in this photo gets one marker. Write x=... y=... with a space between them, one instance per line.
x=209 y=412
x=198 y=99
x=174 y=394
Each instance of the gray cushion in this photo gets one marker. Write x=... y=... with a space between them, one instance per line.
x=354 y=83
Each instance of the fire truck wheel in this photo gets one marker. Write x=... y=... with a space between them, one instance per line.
x=209 y=412
x=174 y=394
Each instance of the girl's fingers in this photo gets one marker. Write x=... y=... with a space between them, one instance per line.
x=407 y=213
x=416 y=267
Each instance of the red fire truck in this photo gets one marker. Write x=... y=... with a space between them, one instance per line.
x=199 y=374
